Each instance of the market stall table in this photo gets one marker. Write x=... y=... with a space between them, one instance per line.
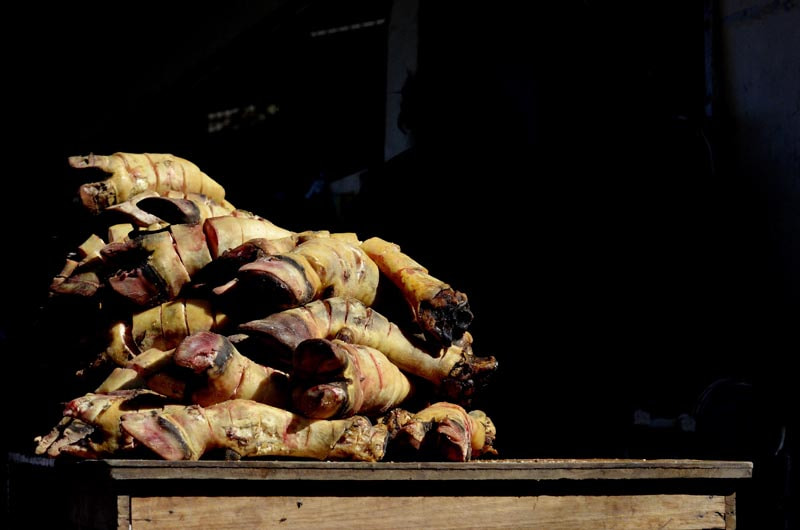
x=540 y=493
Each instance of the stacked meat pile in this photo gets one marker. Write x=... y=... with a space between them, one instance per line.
x=227 y=336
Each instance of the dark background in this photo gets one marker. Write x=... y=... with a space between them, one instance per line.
x=567 y=174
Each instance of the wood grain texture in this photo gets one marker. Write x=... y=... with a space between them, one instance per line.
x=548 y=512
x=537 y=493
x=123 y=512
x=538 y=469
x=730 y=511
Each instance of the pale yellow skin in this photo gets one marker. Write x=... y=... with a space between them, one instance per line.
x=134 y=173
x=90 y=427
x=340 y=266
x=136 y=372
x=254 y=429
x=331 y=316
x=333 y=266
x=161 y=327
x=226 y=232
x=466 y=435
x=475 y=422
x=231 y=376
x=371 y=382
x=410 y=277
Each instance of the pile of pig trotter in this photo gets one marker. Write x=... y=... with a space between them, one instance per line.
x=228 y=337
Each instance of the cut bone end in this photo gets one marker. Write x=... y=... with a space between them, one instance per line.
x=97 y=196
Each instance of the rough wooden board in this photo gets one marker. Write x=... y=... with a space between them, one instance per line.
x=574 y=512
x=123 y=512
x=730 y=511
x=550 y=469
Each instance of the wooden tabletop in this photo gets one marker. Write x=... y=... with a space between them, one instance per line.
x=525 y=493
x=490 y=469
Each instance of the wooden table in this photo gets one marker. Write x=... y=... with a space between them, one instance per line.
x=561 y=493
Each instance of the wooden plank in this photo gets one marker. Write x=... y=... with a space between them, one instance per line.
x=730 y=512
x=123 y=512
x=578 y=512
x=550 y=469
